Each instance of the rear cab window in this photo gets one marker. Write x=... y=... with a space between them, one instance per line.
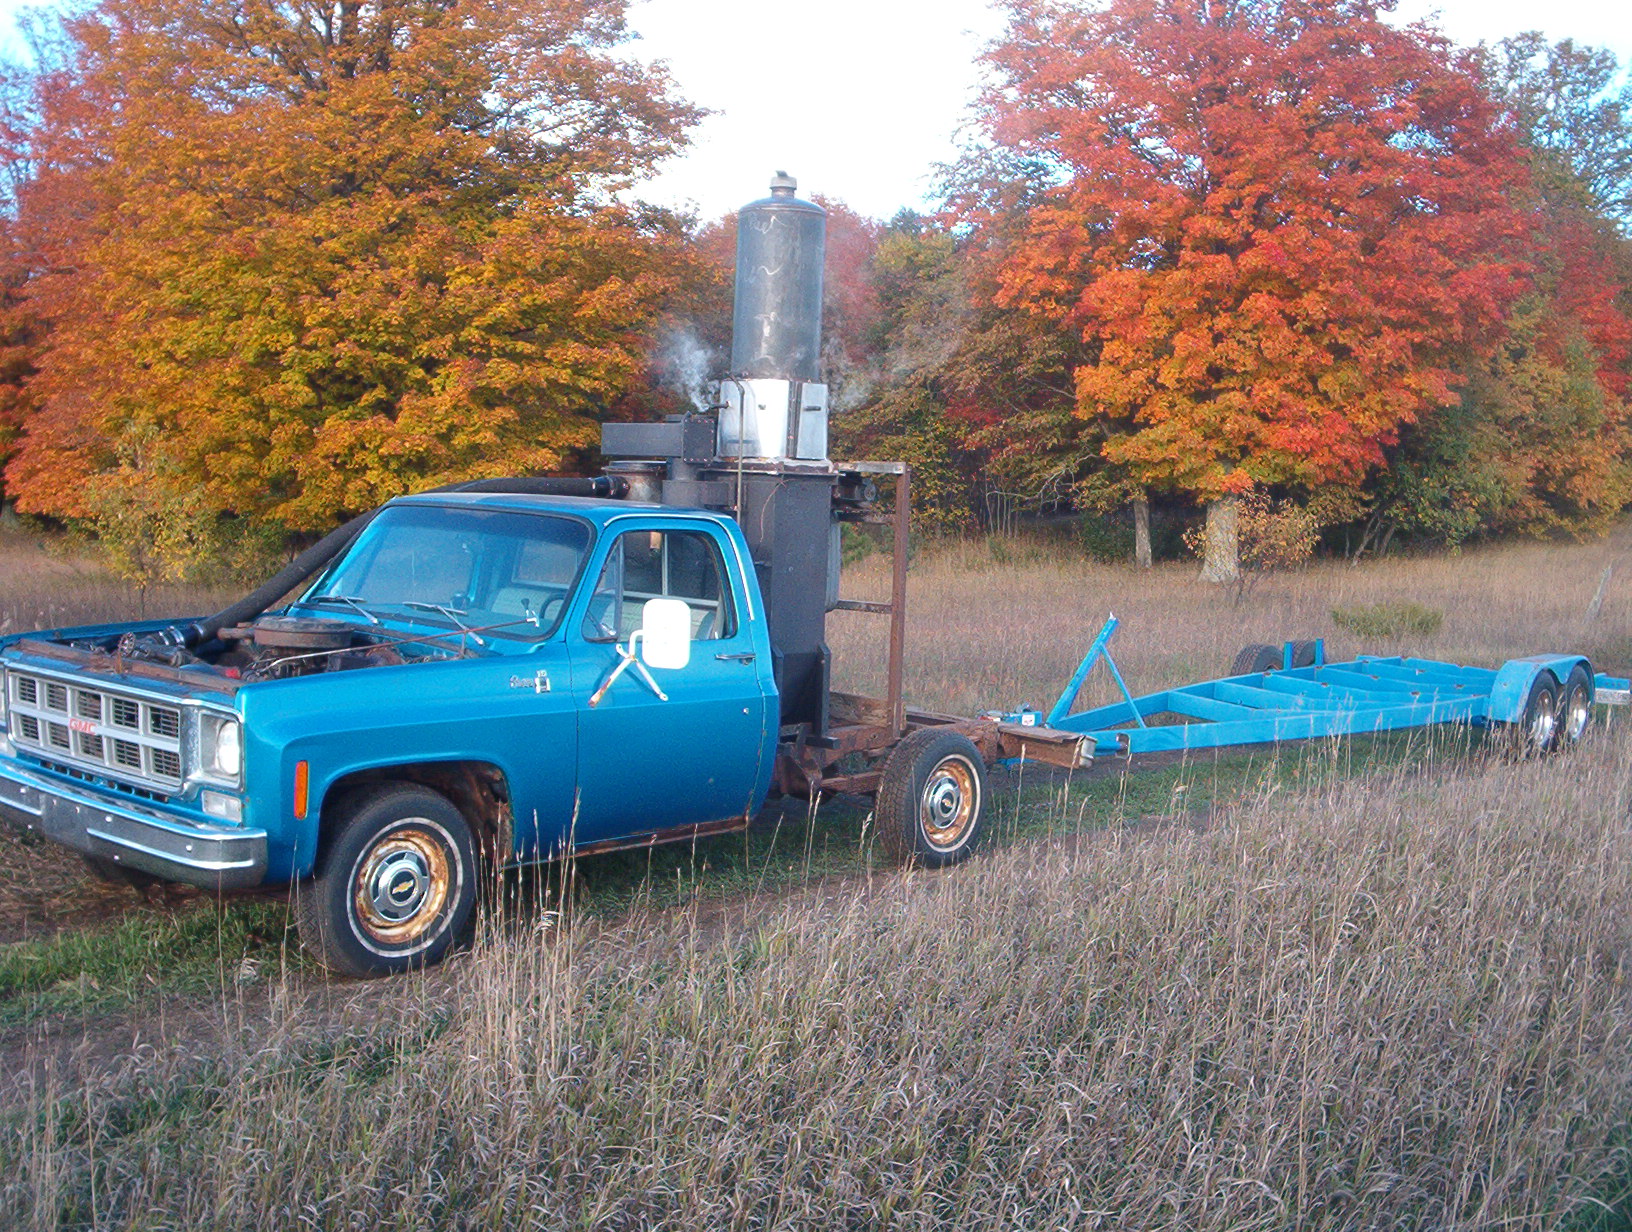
x=661 y=564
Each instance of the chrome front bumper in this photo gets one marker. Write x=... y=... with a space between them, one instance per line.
x=215 y=857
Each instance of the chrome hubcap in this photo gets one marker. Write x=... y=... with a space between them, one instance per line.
x=1575 y=721
x=943 y=801
x=400 y=884
x=1542 y=726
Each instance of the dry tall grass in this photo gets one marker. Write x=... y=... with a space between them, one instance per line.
x=49 y=585
x=1389 y=1003
x=1394 y=1001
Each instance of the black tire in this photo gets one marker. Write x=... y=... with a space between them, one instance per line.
x=395 y=884
x=1537 y=728
x=931 y=799
x=106 y=870
x=1574 y=709
x=1303 y=653
x=1254 y=658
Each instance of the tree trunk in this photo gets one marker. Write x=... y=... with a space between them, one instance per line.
x=1141 y=531
x=1222 y=561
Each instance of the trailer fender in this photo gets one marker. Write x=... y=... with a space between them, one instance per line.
x=1513 y=681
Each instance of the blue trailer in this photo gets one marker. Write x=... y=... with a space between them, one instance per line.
x=1540 y=703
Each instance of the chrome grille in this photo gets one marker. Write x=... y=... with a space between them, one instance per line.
x=128 y=738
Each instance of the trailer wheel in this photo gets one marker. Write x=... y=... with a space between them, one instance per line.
x=1537 y=728
x=930 y=799
x=395 y=884
x=1575 y=708
x=1254 y=658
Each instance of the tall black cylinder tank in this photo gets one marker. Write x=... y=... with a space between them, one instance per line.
x=776 y=328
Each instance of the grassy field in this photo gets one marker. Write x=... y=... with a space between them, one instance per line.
x=1363 y=984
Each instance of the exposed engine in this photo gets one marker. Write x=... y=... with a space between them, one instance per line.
x=278 y=648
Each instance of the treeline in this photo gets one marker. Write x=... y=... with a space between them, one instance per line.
x=269 y=262
x=1288 y=250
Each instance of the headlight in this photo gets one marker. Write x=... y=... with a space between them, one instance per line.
x=223 y=747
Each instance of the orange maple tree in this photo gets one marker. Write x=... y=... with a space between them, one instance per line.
x=1275 y=224
x=308 y=254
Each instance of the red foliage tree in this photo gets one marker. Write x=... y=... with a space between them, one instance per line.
x=1275 y=224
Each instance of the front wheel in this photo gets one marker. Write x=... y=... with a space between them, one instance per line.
x=1537 y=728
x=931 y=797
x=395 y=884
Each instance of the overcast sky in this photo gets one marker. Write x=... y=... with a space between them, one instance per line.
x=859 y=99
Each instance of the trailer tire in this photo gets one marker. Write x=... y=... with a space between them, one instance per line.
x=395 y=884
x=1255 y=657
x=1574 y=708
x=1303 y=653
x=1536 y=732
x=931 y=799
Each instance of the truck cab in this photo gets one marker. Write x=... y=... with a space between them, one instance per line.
x=471 y=683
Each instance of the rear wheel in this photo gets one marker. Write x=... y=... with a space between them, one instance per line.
x=931 y=798
x=395 y=884
x=1575 y=708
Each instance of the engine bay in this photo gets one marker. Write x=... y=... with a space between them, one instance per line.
x=276 y=647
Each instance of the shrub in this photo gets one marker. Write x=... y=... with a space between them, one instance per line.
x=1272 y=536
x=1389 y=619
x=1106 y=540
x=856 y=543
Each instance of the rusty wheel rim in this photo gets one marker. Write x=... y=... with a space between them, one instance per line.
x=401 y=883
x=949 y=803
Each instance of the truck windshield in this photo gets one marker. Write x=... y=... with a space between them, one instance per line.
x=474 y=568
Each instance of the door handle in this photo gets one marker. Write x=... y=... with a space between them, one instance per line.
x=741 y=656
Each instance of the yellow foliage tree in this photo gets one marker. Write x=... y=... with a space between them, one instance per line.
x=315 y=254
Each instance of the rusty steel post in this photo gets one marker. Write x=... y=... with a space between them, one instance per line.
x=898 y=601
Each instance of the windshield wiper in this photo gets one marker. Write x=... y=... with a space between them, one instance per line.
x=453 y=614
x=356 y=603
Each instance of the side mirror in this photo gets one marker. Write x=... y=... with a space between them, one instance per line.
x=665 y=633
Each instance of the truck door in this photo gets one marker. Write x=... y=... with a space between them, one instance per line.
x=645 y=764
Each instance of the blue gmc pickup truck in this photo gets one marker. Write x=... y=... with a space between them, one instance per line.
x=470 y=680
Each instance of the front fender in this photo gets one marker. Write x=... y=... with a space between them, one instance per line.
x=344 y=723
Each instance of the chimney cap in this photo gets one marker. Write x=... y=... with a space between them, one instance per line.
x=783 y=184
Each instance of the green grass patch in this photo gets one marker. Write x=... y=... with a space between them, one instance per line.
x=1381 y=620
x=200 y=949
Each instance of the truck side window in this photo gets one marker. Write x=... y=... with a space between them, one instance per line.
x=651 y=564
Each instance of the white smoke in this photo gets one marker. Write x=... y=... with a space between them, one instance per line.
x=686 y=364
